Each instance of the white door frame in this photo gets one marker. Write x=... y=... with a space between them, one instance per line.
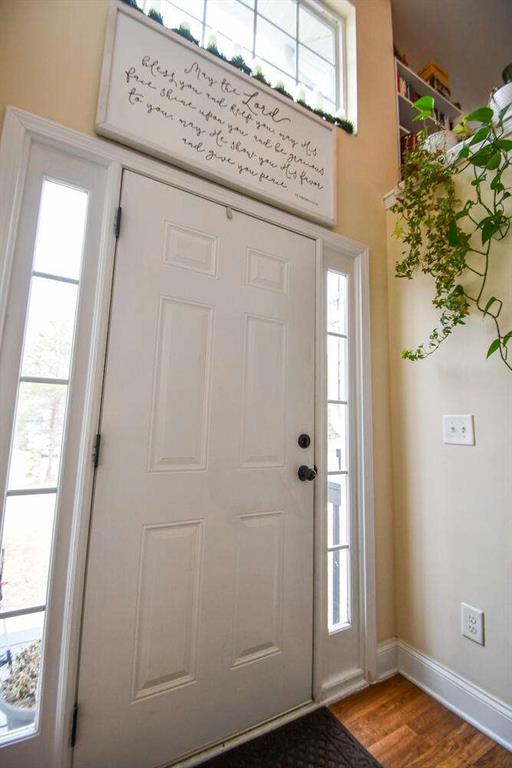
x=20 y=130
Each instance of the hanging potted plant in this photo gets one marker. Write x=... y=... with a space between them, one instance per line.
x=450 y=239
x=18 y=690
x=501 y=98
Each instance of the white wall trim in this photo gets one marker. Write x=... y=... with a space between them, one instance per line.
x=484 y=711
x=20 y=130
x=340 y=686
x=387 y=659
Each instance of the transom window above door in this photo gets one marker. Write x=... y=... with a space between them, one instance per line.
x=297 y=42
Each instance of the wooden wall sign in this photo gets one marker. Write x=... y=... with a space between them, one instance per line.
x=169 y=98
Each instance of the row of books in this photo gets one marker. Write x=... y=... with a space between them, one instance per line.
x=407 y=143
x=407 y=90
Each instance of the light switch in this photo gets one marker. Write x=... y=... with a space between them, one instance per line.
x=459 y=430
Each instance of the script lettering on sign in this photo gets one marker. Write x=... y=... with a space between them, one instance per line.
x=168 y=97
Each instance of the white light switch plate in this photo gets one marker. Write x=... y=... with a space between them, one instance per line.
x=458 y=430
x=472 y=623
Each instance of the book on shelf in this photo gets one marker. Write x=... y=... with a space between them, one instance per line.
x=406 y=90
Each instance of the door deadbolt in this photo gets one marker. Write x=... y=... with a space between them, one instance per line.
x=304 y=440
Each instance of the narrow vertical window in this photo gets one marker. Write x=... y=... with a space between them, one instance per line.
x=32 y=491
x=338 y=518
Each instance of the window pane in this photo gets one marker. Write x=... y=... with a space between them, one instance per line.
x=337 y=506
x=336 y=368
x=337 y=588
x=275 y=75
x=317 y=73
x=336 y=302
x=60 y=230
x=27 y=538
x=191 y=7
x=317 y=34
x=337 y=438
x=273 y=44
x=233 y=19
x=20 y=648
x=50 y=324
x=281 y=12
x=173 y=16
x=38 y=435
x=226 y=45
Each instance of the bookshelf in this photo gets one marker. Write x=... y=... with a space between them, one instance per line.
x=409 y=87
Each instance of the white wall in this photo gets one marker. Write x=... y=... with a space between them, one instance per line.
x=453 y=504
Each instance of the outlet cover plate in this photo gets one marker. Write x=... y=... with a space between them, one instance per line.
x=472 y=620
x=459 y=430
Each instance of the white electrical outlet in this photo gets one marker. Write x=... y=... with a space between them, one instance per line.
x=458 y=430
x=472 y=623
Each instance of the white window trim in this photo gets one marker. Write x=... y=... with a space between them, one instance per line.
x=21 y=130
x=345 y=13
x=340 y=14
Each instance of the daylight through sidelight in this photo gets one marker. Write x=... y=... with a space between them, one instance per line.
x=338 y=518
x=32 y=489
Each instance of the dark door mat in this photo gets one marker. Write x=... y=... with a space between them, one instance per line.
x=317 y=740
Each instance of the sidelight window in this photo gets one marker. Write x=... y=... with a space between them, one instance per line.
x=32 y=488
x=338 y=468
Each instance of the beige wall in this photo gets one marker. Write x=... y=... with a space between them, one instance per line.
x=50 y=58
x=453 y=504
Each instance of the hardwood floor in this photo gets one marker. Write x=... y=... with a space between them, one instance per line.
x=404 y=728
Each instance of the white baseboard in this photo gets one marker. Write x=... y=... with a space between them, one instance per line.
x=487 y=713
x=341 y=686
x=387 y=659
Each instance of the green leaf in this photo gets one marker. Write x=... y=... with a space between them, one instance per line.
x=482 y=115
x=453 y=233
x=504 y=111
x=480 y=135
x=463 y=153
x=496 y=183
x=505 y=340
x=492 y=300
x=505 y=144
x=424 y=104
x=482 y=157
x=495 y=345
x=489 y=228
x=494 y=162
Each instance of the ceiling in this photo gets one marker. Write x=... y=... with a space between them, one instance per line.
x=470 y=39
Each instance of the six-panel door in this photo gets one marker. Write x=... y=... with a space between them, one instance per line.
x=198 y=610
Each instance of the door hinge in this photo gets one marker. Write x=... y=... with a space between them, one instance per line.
x=117 y=222
x=74 y=722
x=96 y=450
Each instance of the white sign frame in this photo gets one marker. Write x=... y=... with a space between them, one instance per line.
x=310 y=192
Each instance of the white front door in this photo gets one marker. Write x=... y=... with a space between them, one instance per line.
x=198 y=608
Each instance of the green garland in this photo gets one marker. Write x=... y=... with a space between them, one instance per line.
x=239 y=62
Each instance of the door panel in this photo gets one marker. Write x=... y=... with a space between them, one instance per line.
x=198 y=608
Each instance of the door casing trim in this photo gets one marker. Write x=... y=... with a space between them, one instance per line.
x=20 y=130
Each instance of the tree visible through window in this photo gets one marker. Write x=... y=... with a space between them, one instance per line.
x=39 y=425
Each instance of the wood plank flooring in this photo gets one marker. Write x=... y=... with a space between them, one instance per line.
x=405 y=728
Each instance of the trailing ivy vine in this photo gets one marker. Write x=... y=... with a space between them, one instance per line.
x=451 y=239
